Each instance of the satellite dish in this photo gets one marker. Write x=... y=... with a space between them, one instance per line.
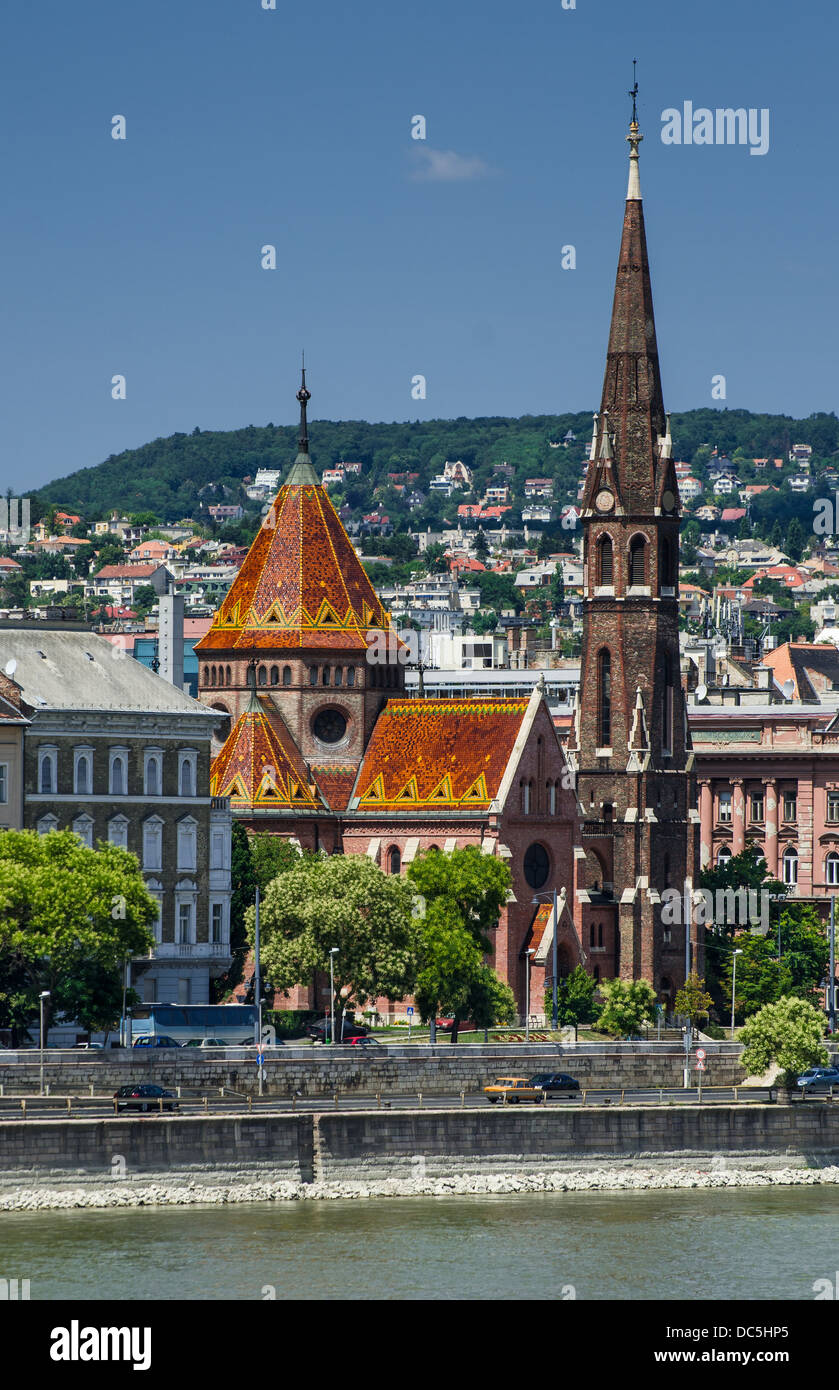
x=788 y=689
x=702 y=692
x=10 y=667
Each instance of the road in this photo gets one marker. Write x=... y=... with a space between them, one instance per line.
x=101 y=1107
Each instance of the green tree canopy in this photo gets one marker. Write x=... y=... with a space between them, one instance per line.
x=787 y=1033
x=343 y=901
x=627 y=1006
x=575 y=998
x=692 y=1000
x=461 y=895
x=69 y=915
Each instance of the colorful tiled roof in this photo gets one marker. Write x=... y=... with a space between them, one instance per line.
x=438 y=755
x=260 y=767
x=301 y=585
x=335 y=785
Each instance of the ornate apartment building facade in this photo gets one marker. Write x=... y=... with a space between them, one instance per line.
x=115 y=753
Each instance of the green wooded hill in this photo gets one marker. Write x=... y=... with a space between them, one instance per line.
x=181 y=475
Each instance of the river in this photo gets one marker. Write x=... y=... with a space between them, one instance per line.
x=705 y=1245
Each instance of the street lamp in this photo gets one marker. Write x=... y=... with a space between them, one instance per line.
x=45 y=994
x=332 y=954
x=554 y=985
x=528 y=953
x=735 y=954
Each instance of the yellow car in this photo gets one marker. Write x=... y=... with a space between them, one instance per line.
x=511 y=1089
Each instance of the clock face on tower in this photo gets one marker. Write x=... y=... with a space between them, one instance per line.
x=668 y=500
x=604 y=501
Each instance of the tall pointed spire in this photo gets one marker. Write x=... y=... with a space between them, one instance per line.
x=303 y=474
x=632 y=382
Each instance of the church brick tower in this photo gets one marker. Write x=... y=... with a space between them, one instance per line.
x=631 y=743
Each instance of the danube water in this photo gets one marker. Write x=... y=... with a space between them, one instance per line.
x=746 y=1243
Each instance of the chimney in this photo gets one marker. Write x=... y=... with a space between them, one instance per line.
x=170 y=638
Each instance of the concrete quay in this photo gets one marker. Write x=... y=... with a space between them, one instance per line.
x=393 y=1070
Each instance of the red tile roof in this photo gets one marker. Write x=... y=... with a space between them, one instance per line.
x=301 y=585
x=126 y=572
x=438 y=754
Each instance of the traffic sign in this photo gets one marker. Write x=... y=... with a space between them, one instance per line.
x=700 y=1066
x=260 y=1058
x=409 y=1011
x=700 y=1054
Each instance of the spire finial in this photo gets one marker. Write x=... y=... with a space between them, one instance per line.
x=303 y=396
x=634 y=137
x=303 y=473
x=634 y=93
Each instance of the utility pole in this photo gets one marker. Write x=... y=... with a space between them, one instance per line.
x=257 y=981
x=831 y=1007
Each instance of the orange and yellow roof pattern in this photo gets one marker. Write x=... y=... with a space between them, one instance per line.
x=260 y=767
x=300 y=585
x=446 y=755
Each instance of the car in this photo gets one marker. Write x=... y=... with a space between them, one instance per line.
x=445 y=1025
x=555 y=1083
x=144 y=1098
x=816 y=1079
x=512 y=1089
x=363 y=1042
x=91 y=1045
x=320 y=1031
x=161 y=1041
x=205 y=1042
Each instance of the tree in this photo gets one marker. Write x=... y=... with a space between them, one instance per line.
x=776 y=536
x=461 y=895
x=626 y=1006
x=796 y=539
x=69 y=915
x=692 y=1000
x=481 y=546
x=557 y=589
x=760 y=978
x=340 y=901
x=788 y=1033
x=575 y=998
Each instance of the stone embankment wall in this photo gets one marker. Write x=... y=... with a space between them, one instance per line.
x=356 y=1145
x=362 y=1071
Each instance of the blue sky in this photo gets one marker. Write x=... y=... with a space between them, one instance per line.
x=292 y=127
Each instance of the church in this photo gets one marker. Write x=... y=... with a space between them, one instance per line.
x=326 y=749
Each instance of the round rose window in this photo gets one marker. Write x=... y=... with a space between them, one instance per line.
x=329 y=726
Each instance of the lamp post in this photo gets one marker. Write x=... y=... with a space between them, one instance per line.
x=528 y=953
x=332 y=954
x=45 y=994
x=257 y=973
x=831 y=1005
x=554 y=984
x=733 y=978
x=123 y=1023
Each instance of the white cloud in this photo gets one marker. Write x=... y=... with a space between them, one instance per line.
x=446 y=166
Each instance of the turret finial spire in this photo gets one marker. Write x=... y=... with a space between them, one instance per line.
x=634 y=137
x=303 y=472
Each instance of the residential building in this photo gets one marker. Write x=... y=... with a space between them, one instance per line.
x=13 y=723
x=114 y=753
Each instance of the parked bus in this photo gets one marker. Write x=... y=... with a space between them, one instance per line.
x=233 y=1024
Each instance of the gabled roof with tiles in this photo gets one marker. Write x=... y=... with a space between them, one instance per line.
x=302 y=584
x=439 y=755
x=260 y=767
